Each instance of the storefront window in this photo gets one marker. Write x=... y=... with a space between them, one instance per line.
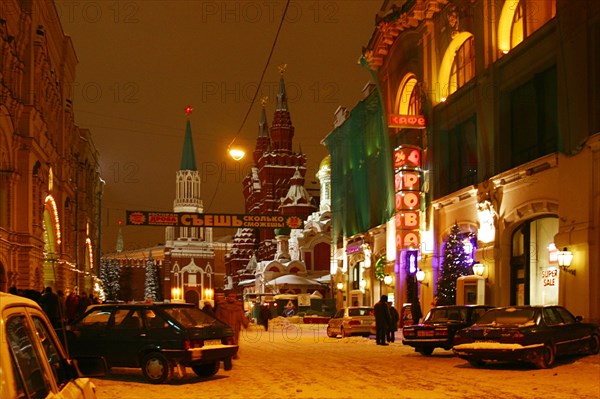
x=534 y=276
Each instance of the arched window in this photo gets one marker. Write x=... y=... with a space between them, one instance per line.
x=463 y=66
x=520 y=18
x=408 y=99
x=458 y=64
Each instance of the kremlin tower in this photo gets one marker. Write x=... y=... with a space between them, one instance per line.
x=274 y=185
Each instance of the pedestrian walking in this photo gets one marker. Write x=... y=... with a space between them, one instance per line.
x=71 y=304
x=82 y=305
x=232 y=312
x=383 y=320
x=395 y=317
x=51 y=306
x=264 y=314
x=208 y=309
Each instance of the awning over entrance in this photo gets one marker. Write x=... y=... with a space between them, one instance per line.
x=292 y=279
x=246 y=282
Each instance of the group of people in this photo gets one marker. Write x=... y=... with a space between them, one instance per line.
x=58 y=308
x=386 y=321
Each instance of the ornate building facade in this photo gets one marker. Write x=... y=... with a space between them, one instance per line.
x=50 y=186
x=274 y=185
x=493 y=112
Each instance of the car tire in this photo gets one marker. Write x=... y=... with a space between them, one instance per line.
x=477 y=363
x=227 y=364
x=546 y=357
x=345 y=333
x=425 y=351
x=594 y=347
x=156 y=368
x=330 y=333
x=206 y=370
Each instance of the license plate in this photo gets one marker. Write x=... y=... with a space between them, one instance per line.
x=212 y=342
x=425 y=333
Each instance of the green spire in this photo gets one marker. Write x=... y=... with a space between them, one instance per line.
x=188 y=160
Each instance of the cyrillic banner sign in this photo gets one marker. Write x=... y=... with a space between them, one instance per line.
x=149 y=218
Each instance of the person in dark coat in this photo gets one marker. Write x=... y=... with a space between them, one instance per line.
x=383 y=320
x=71 y=304
x=232 y=313
x=394 y=327
x=82 y=305
x=264 y=314
x=51 y=306
x=208 y=309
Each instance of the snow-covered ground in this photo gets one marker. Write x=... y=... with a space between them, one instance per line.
x=300 y=361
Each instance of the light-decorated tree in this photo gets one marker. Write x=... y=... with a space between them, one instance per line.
x=457 y=263
x=110 y=273
x=151 y=284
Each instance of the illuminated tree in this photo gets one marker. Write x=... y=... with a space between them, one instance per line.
x=151 y=284
x=110 y=272
x=457 y=262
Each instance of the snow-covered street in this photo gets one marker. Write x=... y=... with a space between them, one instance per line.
x=300 y=361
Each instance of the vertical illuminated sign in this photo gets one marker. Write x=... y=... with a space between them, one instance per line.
x=407 y=184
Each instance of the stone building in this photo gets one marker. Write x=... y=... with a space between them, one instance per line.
x=493 y=112
x=50 y=186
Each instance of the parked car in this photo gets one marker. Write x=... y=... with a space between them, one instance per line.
x=439 y=327
x=351 y=320
x=534 y=334
x=33 y=362
x=160 y=338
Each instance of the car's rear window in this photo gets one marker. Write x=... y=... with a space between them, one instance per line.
x=439 y=315
x=192 y=317
x=360 y=312
x=508 y=316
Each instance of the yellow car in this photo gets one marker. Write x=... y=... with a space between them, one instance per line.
x=33 y=362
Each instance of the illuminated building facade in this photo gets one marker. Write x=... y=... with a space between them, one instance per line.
x=50 y=187
x=501 y=101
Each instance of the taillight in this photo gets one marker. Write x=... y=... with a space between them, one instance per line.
x=354 y=322
x=518 y=337
x=408 y=332
x=192 y=343
x=441 y=331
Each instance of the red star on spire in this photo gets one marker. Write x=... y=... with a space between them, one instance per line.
x=188 y=110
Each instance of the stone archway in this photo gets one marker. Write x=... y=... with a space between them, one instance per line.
x=192 y=296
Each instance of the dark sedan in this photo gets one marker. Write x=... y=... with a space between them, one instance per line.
x=160 y=338
x=533 y=334
x=439 y=326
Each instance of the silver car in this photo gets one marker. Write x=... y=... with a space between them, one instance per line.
x=351 y=320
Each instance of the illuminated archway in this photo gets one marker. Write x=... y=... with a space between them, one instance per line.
x=51 y=224
x=405 y=95
x=448 y=60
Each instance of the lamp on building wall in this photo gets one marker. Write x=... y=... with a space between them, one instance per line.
x=387 y=279
x=478 y=269
x=420 y=274
x=564 y=258
x=340 y=286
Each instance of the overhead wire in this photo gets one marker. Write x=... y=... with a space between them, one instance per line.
x=258 y=87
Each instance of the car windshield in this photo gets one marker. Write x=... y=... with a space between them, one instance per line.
x=438 y=315
x=192 y=317
x=508 y=316
x=360 y=312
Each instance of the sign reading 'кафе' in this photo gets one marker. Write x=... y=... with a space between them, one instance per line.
x=149 y=218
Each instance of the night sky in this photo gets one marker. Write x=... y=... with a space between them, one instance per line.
x=142 y=62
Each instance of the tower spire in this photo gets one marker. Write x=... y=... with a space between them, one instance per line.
x=188 y=158
x=282 y=104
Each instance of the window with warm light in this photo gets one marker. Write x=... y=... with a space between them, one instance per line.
x=463 y=67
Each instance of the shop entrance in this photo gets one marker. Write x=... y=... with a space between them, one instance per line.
x=529 y=259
